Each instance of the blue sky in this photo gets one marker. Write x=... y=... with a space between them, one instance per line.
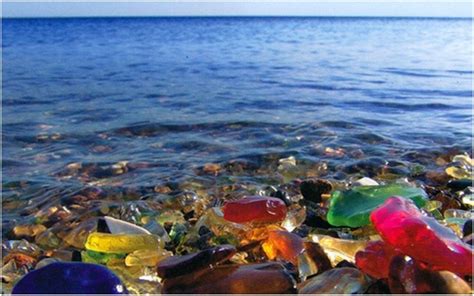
x=320 y=8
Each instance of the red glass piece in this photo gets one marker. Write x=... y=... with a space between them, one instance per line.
x=404 y=227
x=255 y=209
x=375 y=259
x=288 y=245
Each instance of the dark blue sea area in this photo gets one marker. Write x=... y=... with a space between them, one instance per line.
x=136 y=103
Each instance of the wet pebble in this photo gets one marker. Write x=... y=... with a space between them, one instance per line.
x=263 y=278
x=458 y=185
x=180 y=265
x=312 y=189
x=368 y=166
x=343 y=280
x=409 y=277
x=283 y=195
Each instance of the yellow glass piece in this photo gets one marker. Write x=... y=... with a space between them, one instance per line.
x=339 y=249
x=121 y=243
x=146 y=257
x=459 y=173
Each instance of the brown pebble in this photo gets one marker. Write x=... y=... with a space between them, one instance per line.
x=212 y=168
x=317 y=254
x=313 y=189
x=406 y=276
x=180 y=265
x=264 y=278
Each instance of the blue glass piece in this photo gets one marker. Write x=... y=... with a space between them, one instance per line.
x=70 y=278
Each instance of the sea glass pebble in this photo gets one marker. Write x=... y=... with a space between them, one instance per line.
x=353 y=207
x=284 y=245
x=375 y=259
x=70 y=278
x=255 y=209
x=338 y=248
x=121 y=243
x=402 y=225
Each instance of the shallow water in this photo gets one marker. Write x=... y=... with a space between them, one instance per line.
x=169 y=95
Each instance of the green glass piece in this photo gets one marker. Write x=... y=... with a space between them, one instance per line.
x=89 y=256
x=353 y=207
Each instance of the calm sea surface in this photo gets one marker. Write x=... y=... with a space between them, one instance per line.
x=139 y=102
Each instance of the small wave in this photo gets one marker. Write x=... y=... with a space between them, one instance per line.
x=404 y=106
x=414 y=73
x=26 y=101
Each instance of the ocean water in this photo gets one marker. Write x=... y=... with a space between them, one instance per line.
x=139 y=102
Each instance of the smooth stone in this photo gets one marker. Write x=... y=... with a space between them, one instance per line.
x=70 y=278
x=343 y=280
x=313 y=189
x=353 y=207
x=403 y=226
x=263 y=278
x=179 y=265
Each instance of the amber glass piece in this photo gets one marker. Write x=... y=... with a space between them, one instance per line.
x=284 y=245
